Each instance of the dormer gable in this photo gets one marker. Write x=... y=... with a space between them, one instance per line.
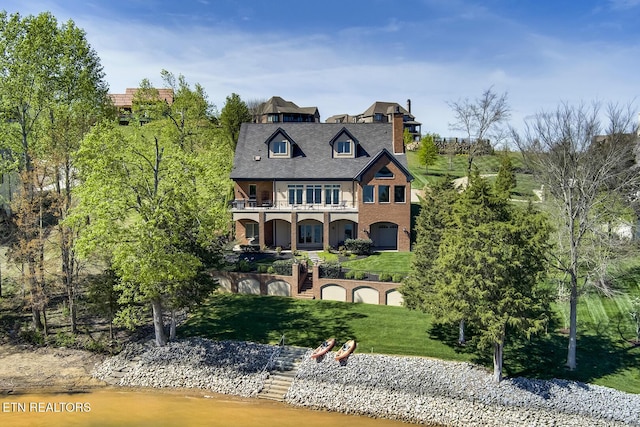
x=281 y=145
x=344 y=145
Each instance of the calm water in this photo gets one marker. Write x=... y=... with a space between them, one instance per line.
x=118 y=407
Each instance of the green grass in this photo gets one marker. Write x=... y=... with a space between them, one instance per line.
x=378 y=329
x=485 y=164
x=383 y=262
x=603 y=357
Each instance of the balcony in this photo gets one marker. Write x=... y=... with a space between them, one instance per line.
x=250 y=205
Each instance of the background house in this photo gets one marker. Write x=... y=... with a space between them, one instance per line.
x=383 y=112
x=124 y=102
x=277 y=110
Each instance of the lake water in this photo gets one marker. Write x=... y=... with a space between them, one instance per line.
x=130 y=407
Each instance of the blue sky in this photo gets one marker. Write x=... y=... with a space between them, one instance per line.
x=341 y=56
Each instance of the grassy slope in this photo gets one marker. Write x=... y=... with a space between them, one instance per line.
x=602 y=358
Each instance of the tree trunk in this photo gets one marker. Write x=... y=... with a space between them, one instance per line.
x=45 y=327
x=158 y=324
x=172 y=328
x=498 y=351
x=35 y=315
x=573 y=323
x=461 y=338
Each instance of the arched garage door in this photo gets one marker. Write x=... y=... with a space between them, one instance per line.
x=385 y=235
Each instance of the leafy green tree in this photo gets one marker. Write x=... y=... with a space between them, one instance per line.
x=407 y=137
x=506 y=179
x=156 y=198
x=51 y=92
x=428 y=152
x=233 y=114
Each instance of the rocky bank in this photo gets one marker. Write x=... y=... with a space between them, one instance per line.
x=412 y=389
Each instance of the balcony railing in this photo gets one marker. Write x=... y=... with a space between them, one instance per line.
x=285 y=206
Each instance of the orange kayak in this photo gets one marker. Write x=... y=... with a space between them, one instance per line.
x=346 y=349
x=324 y=348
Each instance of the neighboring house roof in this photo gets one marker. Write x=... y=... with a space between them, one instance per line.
x=314 y=158
x=125 y=100
x=277 y=105
x=388 y=108
x=341 y=118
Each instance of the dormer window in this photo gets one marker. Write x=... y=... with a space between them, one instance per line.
x=343 y=148
x=344 y=145
x=280 y=148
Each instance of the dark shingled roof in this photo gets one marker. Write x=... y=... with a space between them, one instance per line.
x=312 y=156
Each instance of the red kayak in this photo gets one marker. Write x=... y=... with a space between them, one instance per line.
x=324 y=348
x=346 y=349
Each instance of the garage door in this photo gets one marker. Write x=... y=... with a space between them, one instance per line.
x=386 y=236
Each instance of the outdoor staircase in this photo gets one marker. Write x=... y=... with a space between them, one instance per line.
x=306 y=290
x=283 y=373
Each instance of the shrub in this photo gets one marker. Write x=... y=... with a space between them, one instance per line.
x=397 y=278
x=359 y=246
x=32 y=336
x=349 y=274
x=283 y=267
x=271 y=270
x=385 y=277
x=262 y=268
x=64 y=339
x=244 y=266
x=330 y=269
x=359 y=275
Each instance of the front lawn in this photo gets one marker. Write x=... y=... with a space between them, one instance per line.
x=383 y=262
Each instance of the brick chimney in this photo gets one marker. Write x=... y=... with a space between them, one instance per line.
x=398 y=131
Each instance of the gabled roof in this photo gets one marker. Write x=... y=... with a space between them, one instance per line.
x=342 y=131
x=312 y=139
x=277 y=105
x=394 y=160
x=387 y=108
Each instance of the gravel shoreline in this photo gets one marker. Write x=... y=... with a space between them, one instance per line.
x=412 y=389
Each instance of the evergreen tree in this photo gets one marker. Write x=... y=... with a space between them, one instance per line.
x=233 y=114
x=506 y=179
x=483 y=267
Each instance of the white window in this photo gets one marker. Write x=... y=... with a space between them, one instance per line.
x=314 y=194
x=279 y=148
x=367 y=194
x=343 y=147
x=295 y=194
x=332 y=194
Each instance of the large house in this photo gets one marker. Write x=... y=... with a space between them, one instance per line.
x=124 y=102
x=382 y=112
x=313 y=185
x=278 y=110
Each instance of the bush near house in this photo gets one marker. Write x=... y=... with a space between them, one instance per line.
x=283 y=267
x=359 y=246
x=330 y=269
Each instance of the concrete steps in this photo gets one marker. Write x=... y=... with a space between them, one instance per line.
x=282 y=374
